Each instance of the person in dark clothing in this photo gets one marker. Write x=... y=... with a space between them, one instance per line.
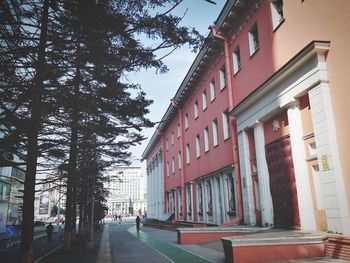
x=138 y=221
x=49 y=230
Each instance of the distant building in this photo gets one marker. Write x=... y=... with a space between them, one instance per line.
x=126 y=192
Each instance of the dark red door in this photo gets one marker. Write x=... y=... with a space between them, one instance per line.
x=282 y=183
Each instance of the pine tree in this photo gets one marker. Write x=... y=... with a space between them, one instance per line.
x=69 y=76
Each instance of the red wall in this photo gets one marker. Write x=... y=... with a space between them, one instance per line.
x=173 y=180
x=271 y=135
x=217 y=157
x=220 y=155
x=259 y=67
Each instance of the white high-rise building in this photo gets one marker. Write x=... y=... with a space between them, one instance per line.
x=126 y=191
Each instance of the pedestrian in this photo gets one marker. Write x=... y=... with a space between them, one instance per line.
x=61 y=228
x=138 y=221
x=120 y=219
x=49 y=230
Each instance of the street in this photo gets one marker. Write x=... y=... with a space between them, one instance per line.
x=121 y=243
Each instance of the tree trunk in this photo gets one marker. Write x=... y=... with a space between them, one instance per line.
x=72 y=171
x=27 y=254
x=81 y=203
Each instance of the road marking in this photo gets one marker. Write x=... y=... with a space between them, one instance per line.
x=48 y=253
x=104 y=253
x=173 y=253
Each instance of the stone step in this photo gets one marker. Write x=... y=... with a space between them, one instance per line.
x=274 y=245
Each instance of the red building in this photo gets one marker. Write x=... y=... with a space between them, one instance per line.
x=257 y=131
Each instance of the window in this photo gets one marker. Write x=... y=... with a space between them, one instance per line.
x=222 y=78
x=276 y=13
x=253 y=39
x=173 y=165
x=204 y=100
x=178 y=130
x=215 y=133
x=212 y=90
x=167 y=144
x=206 y=139
x=188 y=154
x=186 y=121
x=196 y=109
x=179 y=159
x=236 y=60
x=167 y=169
x=172 y=138
x=226 y=124
x=198 y=147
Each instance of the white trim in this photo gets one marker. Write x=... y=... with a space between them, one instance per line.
x=206 y=139
x=215 y=132
x=188 y=159
x=222 y=76
x=198 y=146
x=204 y=100
x=212 y=90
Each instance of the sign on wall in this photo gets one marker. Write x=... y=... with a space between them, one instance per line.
x=44 y=204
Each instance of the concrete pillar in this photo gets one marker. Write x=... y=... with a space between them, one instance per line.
x=263 y=175
x=306 y=210
x=249 y=209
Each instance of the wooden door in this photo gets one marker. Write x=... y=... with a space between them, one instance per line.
x=282 y=183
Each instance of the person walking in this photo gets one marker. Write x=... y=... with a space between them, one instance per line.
x=138 y=221
x=49 y=230
x=61 y=228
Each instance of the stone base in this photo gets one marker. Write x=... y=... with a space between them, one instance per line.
x=273 y=246
x=206 y=234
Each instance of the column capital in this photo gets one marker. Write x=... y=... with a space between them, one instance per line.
x=257 y=123
x=292 y=104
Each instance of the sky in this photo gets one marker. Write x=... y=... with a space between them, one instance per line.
x=161 y=88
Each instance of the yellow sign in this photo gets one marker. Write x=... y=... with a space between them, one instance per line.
x=325 y=164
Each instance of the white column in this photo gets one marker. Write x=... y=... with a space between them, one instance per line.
x=156 y=182
x=161 y=178
x=263 y=175
x=153 y=190
x=148 y=190
x=330 y=176
x=249 y=209
x=306 y=210
x=160 y=186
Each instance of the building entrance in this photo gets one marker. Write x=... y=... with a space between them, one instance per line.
x=282 y=183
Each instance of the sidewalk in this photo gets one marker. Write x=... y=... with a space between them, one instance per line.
x=77 y=254
x=211 y=251
x=166 y=240
x=121 y=243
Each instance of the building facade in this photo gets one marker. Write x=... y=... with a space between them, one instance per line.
x=257 y=131
x=126 y=192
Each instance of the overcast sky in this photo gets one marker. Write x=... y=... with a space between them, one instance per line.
x=161 y=88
